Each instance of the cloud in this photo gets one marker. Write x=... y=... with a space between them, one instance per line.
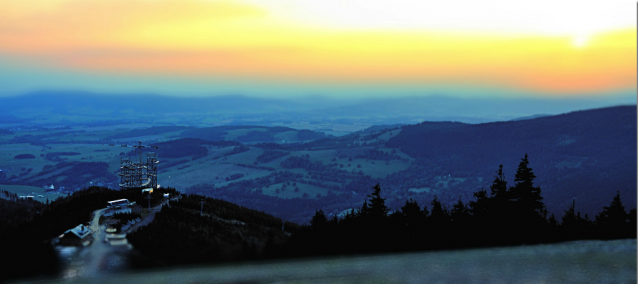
x=76 y=24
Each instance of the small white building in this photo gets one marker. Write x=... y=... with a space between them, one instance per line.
x=118 y=206
x=78 y=236
x=118 y=203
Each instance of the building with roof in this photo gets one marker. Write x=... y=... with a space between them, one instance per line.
x=119 y=202
x=78 y=236
x=118 y=206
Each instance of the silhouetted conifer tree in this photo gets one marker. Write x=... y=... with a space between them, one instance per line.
x=499 y=185
x=438 y=225
x=365 y=209
x=552 y=221
x=378 y=210
x=614 y=214
x=528 y=197
x=412 y=215
x=319 y=221
x=613 y=220
x=460 y=214
x=573 y=225
x=480 y=208
x=439 y=213
x=569 y=218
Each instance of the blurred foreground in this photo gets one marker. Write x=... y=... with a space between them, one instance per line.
x=572 y=262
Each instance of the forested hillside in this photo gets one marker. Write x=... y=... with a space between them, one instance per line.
x=27 y=226
x=224 y=232
x=586 y=155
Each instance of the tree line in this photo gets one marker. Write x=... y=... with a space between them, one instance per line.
x=503 y=216
x=188 y=231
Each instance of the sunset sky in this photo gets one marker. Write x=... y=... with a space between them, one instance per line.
x=290 y=48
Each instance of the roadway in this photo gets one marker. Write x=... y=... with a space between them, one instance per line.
x=101 y=258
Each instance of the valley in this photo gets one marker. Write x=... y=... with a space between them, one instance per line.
x=291 y=172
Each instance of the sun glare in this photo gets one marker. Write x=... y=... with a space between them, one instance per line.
x=580 y=41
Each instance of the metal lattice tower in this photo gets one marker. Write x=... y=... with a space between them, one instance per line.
x=139 y=174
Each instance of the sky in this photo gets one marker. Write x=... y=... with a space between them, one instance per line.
x=334 y=48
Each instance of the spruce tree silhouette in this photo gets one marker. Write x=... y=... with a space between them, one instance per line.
x=460 y=214
x=573 y=226
x=364 y=211
x=613 y=220
x=412 y=215
x=461 y=219
x=499 y=185
x=438 y=222
x=552 y=221
x=500 y=207
x=528 y=223
x=569 y=218
x=439 y=212
x=409 y=223
x=375 y=218
x=319 y=221
x=481 y=207
x=528 y=196
x=378 y=210
x=413 y=218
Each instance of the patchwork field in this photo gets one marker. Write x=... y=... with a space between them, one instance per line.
x=212 y=169
x=38 y=193
x=288 y=192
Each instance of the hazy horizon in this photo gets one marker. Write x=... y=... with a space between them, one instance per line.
x=312 y=112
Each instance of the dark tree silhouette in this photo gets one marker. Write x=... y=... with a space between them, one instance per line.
x=460 y=214
x=319 y=221
x=573 y=225
x=412 y=212
x=480 y=208
x=613 y=220
x=378 y=210
x=528 y=196
x=499 y=185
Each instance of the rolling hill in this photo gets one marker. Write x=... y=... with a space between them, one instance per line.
x=584 y=155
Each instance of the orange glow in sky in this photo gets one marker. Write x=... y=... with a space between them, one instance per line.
x=536 y=47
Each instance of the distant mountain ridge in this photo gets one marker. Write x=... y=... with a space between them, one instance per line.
x=239 y=133
x=400 y=110
x=529 y=117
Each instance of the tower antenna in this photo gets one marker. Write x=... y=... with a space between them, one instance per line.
x=138 y=174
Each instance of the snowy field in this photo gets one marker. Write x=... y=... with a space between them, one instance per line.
x=572 y=262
